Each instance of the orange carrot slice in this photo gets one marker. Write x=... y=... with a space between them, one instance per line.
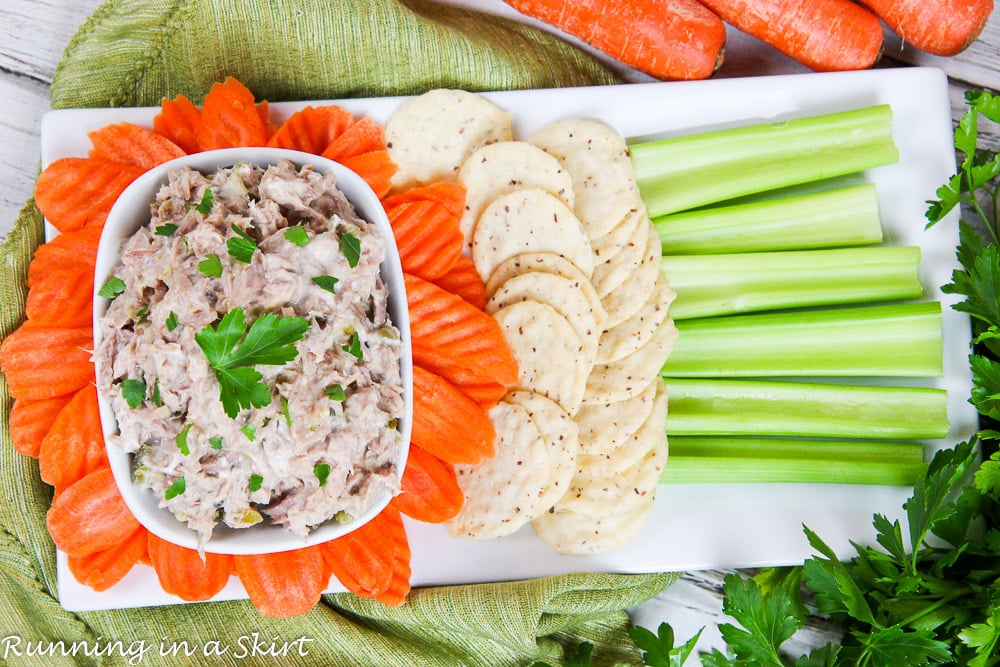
x=178 y=121
x=74 y=445
x=132 y=144
x=103 y=569
x=182 y=572
x=376 y=167
x=90 y=515
x=428 y=238
x=361 y=136
x=447 y=423
x=365 y=560
x=430 y=490
x=463 y=279
x=448 y=194
x=62 y=298
x=41 y=362
x=264 y=113
x=31 y=420
x=312 y=129
x=76 y=249
x=485 y=393
x=283 y=584
x=229 y=118
x=398 y=587
x=449 y=327
x=75 y=192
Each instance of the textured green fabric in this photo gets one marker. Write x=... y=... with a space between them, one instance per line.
x=133 y=52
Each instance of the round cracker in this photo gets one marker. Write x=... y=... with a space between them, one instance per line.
x=630 y=375
x=502 y=493
x=550 y=263
x=607 y=246
x=506 y=166
x=616 y=270
x=562 y=435
x=607 y=426
x=597 y=158
x=576 y=534
x=627 y=299
x=625 y=338
x=596 y=496
x=614 y=461
x=529 y=220
x=547 y=351
x=560 y=293
x=431 y=135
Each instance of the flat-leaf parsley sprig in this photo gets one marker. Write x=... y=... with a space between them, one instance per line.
x=232 y=351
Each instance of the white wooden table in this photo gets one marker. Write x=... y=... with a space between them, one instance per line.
x=33 y=34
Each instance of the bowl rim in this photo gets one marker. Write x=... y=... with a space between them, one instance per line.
x=127 y=215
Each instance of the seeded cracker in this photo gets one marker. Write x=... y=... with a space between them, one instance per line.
x=606 y=427
x=607 y=246
x=623 y=339
x=628 y=376
x=627 y=299
x=430 y=136
x=576 y=534
x=501 y=168
x=614 y=271
x=530 y=220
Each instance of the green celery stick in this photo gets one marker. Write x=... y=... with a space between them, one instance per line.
x=728 y=284
x=883 y=340
x=763 y=470
x=805 y=409
x=846 y=216
x=681 y=173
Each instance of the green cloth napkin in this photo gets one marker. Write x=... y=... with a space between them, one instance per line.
x=133 y=52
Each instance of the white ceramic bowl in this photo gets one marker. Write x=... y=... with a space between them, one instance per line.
x=130 y=212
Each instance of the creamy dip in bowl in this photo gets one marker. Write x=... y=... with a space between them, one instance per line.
x=252 y=351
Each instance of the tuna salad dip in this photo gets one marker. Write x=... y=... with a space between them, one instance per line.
x=248 y=353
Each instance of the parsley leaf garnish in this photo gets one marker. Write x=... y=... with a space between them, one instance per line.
x=350 y=245
x=242 y=246
x=297 y=235
x=329 y=283
x=353 y=346
x=232 y=351
x=156 y=397
x=205 y=205
x=172 y=321
x=322 y=472
x=166 y=229
x=255 y=482
x=335 y=393
x=181 y=440
x=175 y=489
x=134 y=392
x=211 y=266
x=215 y=442
x=112 y=288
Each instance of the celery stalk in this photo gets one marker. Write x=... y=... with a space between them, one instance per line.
x=727 y=284
x=804 y=409
x=681 y=173
x=883 y=340
x=734 y=460
x=842 y=217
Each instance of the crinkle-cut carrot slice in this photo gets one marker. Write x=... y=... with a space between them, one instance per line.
x=182 y=571
x=76 y=249
x=428 y=237
x=41 y=362
x=132 y=144
x=394 y=594
x=229 y=118
x=31 y=420
x=103 y=569
x=463 y=279
x=449 y=194
x=448 y=326
x=77 y=192
x=74 y=445
x=90 y=515
x=264 y=112
x=362 y=136
x=62 y=298
x=365 y=560
x=283 y=584
x=178 y=121
x=429 y=488
x=447 y=423
x=376 y=168
x=485 y=393
x=311 y=129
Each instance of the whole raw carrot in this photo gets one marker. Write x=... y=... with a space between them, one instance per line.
x=941 y=27
x=679 y=39
x=824 y=35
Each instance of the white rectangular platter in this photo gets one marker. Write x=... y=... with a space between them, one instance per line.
x=692 y=526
